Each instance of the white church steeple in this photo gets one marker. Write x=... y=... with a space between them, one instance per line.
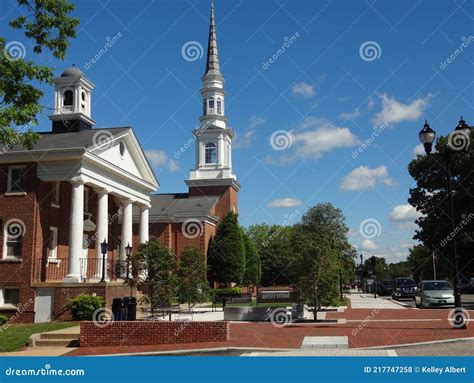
x=213 y=138
x=72 y=102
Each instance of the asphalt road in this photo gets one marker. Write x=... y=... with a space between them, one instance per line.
x=467 y=301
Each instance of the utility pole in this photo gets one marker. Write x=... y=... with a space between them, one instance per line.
x=434 y=265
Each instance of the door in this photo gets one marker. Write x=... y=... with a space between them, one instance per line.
x=44 y=305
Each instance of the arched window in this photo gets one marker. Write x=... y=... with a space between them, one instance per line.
x=211 y=153
x=219 y=107
x=204 y=107
x=211 y=103
x=68 y=96
x=83 y=97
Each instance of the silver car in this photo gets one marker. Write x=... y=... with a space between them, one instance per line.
x=434 y=293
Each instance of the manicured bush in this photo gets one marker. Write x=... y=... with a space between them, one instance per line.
x=3 y=319
x=226 y=292
x=83 y=306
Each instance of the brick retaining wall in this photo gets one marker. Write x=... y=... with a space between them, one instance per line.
x=135 y=333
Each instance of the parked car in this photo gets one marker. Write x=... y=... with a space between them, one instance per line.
x=385 y=287
x=434 y=293
x=403 y=288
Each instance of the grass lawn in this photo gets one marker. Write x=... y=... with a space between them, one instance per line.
x=15 y=337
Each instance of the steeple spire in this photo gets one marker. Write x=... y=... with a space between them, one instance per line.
x=212 y=64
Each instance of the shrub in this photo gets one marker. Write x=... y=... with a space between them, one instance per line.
x=226 y=292
x=3 y=319
x=83 y=306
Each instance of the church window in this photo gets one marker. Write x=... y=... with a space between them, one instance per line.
x=211 y=103
x=83 y=97
x=219 y=107
x=122 y=149
x=211 y=153
x=204 y=107
x=68 y=98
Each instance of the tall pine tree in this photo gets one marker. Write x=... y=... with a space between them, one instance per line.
x=226 y=254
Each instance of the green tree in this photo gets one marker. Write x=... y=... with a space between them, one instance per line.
x=192 y=281
x=273 y=244
x=49 y=25
x=226 y=253
x=252 y=262
x=420 y=261
x=155 y=266
x=321 y=249
x=430 y=198
x=315 y=269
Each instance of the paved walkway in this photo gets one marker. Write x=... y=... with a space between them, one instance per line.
x=367 y=301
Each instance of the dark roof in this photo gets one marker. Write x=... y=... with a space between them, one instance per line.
x=72 y=71
x=212 y=62
x=175 y=205
x=83 y=139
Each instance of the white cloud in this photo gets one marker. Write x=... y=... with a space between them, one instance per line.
x=365 y=178
x=351 y=115
x=315 y=137
x=284 y=202
x=303 y=89
x=368 y=245
x=370 y=103
x=404 y=213
x=159 y=159
x=245 y=140
x=394 y=111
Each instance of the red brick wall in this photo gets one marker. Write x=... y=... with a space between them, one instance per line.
x=64 y=294
x=23 y=207
x=152 y=332
x=228 y=197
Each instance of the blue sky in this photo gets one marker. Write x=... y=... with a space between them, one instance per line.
x=350 y=71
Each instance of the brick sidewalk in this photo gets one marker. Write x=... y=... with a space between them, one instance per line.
x=375 y=332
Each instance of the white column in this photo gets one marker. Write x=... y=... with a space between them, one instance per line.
x=144 y=224
x=102 y=230
x=126 y=227
x=220 y=151
x=76 y=230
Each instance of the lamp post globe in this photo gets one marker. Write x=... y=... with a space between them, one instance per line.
x=427 y=137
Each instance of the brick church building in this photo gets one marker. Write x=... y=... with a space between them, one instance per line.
x=81 y=185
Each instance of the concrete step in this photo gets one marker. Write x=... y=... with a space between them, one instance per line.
x=57 y=343
x=50 y=335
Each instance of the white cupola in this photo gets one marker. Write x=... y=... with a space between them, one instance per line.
x=72 y=102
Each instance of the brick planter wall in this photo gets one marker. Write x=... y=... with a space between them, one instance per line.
x=137 y=333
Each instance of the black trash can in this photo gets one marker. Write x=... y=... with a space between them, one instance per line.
x=118 y=309
x=130 y=304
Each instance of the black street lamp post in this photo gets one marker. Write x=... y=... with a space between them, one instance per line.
x=104 y=246
x=460 y=135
